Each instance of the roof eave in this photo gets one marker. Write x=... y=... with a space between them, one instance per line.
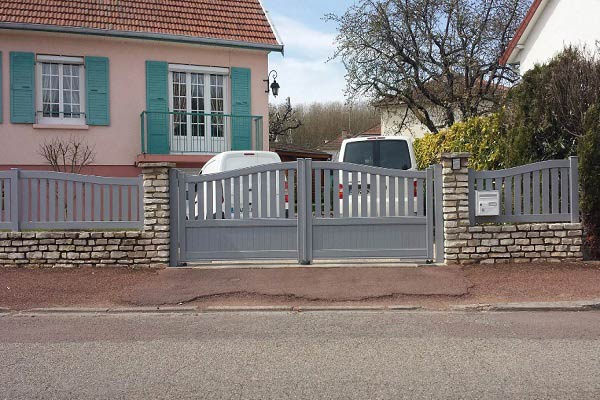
x=143 y=35
x=510 y=55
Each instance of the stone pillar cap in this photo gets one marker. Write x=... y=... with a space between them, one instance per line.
x=156 y=165
x=463 y=154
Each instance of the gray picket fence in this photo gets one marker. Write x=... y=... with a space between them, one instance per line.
x=55 y=200
x=546 y=191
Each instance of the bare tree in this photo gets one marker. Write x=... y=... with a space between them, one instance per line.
x=282 y=120
x=67 y=155
x=429 y=54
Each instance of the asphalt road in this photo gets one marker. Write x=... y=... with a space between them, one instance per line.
x=343 y=355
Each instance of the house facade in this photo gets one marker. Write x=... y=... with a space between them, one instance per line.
x=548 y=27
x=137 y=81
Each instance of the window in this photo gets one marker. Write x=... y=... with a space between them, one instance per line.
x=379 y=153
x=198 y=102
x=60 y=94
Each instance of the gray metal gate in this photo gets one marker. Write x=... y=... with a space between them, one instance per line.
x=306 y=210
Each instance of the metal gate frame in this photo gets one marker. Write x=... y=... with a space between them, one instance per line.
x=306 y=226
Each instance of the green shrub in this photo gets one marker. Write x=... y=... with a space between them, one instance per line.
x=483 y=137
x=545 y=111
x=589 y=178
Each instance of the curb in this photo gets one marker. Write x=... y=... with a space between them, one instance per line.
x=532 y=306
x=495 y=307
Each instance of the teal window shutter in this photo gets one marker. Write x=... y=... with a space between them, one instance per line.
x=241 y=124
x=157 y=106
x=22 y=88
x=97 y=91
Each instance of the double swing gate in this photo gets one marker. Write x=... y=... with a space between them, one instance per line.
x=306 y=210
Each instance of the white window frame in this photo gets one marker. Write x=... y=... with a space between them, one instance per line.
x=207 y=71
x=61 y=120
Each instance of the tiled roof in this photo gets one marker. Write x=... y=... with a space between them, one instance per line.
x=279 y=147
x=236 y=20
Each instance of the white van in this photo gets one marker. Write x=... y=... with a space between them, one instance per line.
x=394 y=152
x=233 y=160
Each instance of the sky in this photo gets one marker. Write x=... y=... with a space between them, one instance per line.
x=304 y=72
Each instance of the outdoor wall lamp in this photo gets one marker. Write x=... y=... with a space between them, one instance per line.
x=274 y=86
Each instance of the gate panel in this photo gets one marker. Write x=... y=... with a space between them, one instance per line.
x=377 y=212
x=235 y=215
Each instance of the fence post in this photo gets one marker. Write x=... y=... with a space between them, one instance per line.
x=438 y=214
x=157 y=210
x=15 y=199
x=304 y=212
x=574 y=187
x=174 y=217
x=455 y=181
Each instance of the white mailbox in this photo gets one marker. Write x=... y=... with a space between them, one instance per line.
x=488 y=202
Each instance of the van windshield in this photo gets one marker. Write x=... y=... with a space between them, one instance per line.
x=379 y=153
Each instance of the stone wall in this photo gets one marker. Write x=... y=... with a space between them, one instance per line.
x=146 y=248
x=503 y=243
x=71 y=249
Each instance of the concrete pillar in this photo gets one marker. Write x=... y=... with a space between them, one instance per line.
x=455 y=187
x=156 y=211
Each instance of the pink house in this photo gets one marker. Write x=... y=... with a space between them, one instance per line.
x=164 y=80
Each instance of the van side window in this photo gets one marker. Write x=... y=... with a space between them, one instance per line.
x=379 y=153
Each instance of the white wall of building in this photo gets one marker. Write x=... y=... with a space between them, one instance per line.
x=561 y=23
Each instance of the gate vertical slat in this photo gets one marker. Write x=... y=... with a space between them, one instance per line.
x=281 y=191
x=97 y=209
x=115 y=202
x=401 y=190
x=327 y=193
x=346 y=195
x=236 y=197
x=373 y=195
x=355 y=194
x=554 y=185
x=124 y=203
x=218 y=199
x=292 y=193
x=105 y=203
x=88 y=203
x=419 y=198
x=410 y=197
x=34 y=199
x=392 y=196
x=272 y=195
x=227 y=191
x=336 y=197
x=79 y=202
x=574 y=186
x=527 y=193
x=430 y=210
x=255 y=191
x=545 y=193
x=508 y=199
x=564 y=190
x=518 y=197
x=209 y=201
x=70 y=202
x=382 y=195
x=192 y=194
x=51 y=200
x=199 y=187
x=263 y=195
x=364 y=191
x=536 y=192
x=43 y=200
x=318 y=205
x=246 y=196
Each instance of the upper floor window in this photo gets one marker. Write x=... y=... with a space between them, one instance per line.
x=60 y=92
